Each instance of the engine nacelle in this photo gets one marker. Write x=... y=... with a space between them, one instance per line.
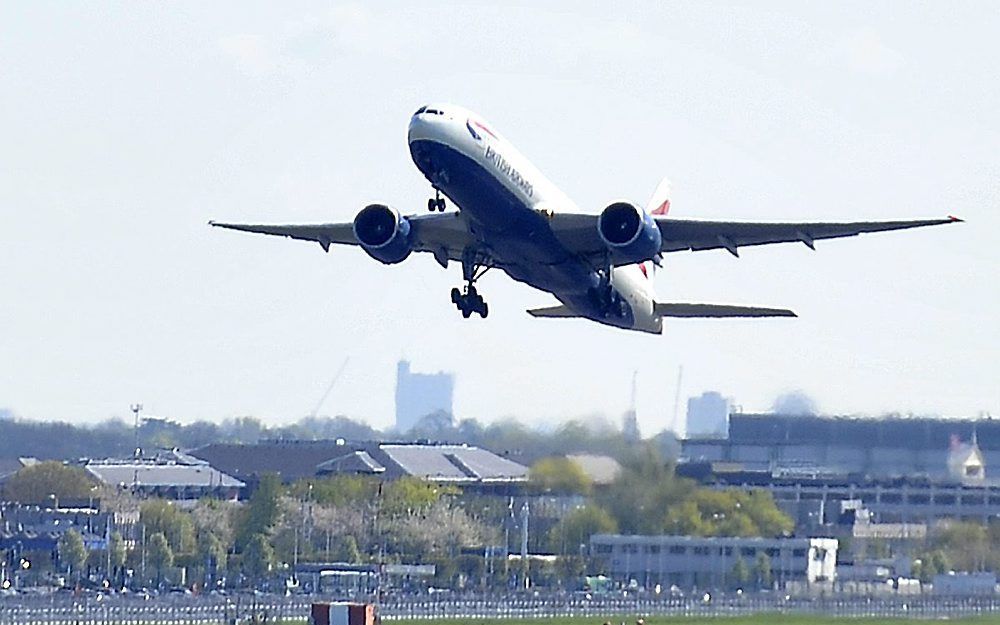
x=629 y=232
x=383 y=233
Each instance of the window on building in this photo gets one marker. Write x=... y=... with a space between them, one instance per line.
x=700 y=551
x=602 y=548
x=749 y=552
x=630 y=548
x=678 y=550
x=652 y=549
x=798 y=553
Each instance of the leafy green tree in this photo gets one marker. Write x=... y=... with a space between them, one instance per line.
x=568 y=569
x=560 y=476
x=213 y=516
x=576 y=528
x=159 y=554
x=116 y=544
x=759 y=505
x=409 y=495
x=214 y=551
x=727 y=513
x=762 y=570
x=740 y=572
x=258 y=558
x=966 y=544
x=338 y=490
x=346 y=549
x=262 y=512
x=40 y=483
x=72 y=551
x=176 y=525
x=643 y=492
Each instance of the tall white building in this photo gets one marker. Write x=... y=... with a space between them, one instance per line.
x=421 y=394
x=707 y=416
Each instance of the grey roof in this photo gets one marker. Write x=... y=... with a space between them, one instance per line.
x=458 y=463
x=358 y=461
x=303 y=459
x=161 y=475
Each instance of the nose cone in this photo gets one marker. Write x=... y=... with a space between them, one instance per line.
x=419 y=129
x=429 y=122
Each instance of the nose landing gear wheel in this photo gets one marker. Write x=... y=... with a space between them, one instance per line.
x=436 y=203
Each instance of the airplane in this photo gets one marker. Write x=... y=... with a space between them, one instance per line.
x=510 y=217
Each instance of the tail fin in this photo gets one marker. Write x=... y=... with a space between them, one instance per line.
x=659 y=203
x=718 y=310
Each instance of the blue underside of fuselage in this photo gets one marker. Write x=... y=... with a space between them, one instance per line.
x=517 y=237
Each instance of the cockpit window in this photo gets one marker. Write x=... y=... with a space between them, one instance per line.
x=420 y=110
x=434 y=112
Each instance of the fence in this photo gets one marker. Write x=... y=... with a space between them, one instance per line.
x=215 y=610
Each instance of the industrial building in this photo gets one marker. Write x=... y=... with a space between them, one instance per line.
x=168 y=474
x=885 y=447
x=697 y=562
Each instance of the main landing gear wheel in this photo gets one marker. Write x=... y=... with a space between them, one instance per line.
x=468 y=301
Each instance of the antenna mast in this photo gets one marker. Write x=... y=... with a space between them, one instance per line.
x=136 y=409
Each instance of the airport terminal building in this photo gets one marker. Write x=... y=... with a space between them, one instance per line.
x=904 y=470
x=885 y=447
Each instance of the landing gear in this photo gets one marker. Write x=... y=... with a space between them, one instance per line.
x=468 y=300
x=436 y=203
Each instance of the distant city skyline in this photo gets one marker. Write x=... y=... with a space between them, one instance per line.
x=126 y=129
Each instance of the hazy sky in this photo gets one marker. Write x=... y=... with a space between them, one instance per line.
x=125 y=127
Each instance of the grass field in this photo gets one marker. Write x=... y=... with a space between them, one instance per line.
x=760 y=619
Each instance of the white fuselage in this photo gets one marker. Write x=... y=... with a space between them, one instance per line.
x=473 y=158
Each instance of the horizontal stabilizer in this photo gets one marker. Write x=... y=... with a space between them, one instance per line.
x=552 y=311
x=718 y=310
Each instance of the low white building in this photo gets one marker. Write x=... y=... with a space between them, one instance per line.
x=690 y=561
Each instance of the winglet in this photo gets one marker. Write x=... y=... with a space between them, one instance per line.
x=953 y=218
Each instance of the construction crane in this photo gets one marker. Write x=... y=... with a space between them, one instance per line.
x=329 y=388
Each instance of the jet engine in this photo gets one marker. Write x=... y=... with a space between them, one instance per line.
x=629 y=232
x=383 y=233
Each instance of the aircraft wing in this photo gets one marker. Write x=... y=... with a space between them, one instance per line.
x=578 y=232
x=682 y=234
x=445 y=235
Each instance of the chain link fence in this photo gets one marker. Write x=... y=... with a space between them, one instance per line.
x=230 y=611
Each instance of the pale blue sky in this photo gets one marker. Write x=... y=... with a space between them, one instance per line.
x=125 y=127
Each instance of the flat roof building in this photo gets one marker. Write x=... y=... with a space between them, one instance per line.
x=882 y=447
x=171 y=475
x=697 y=562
